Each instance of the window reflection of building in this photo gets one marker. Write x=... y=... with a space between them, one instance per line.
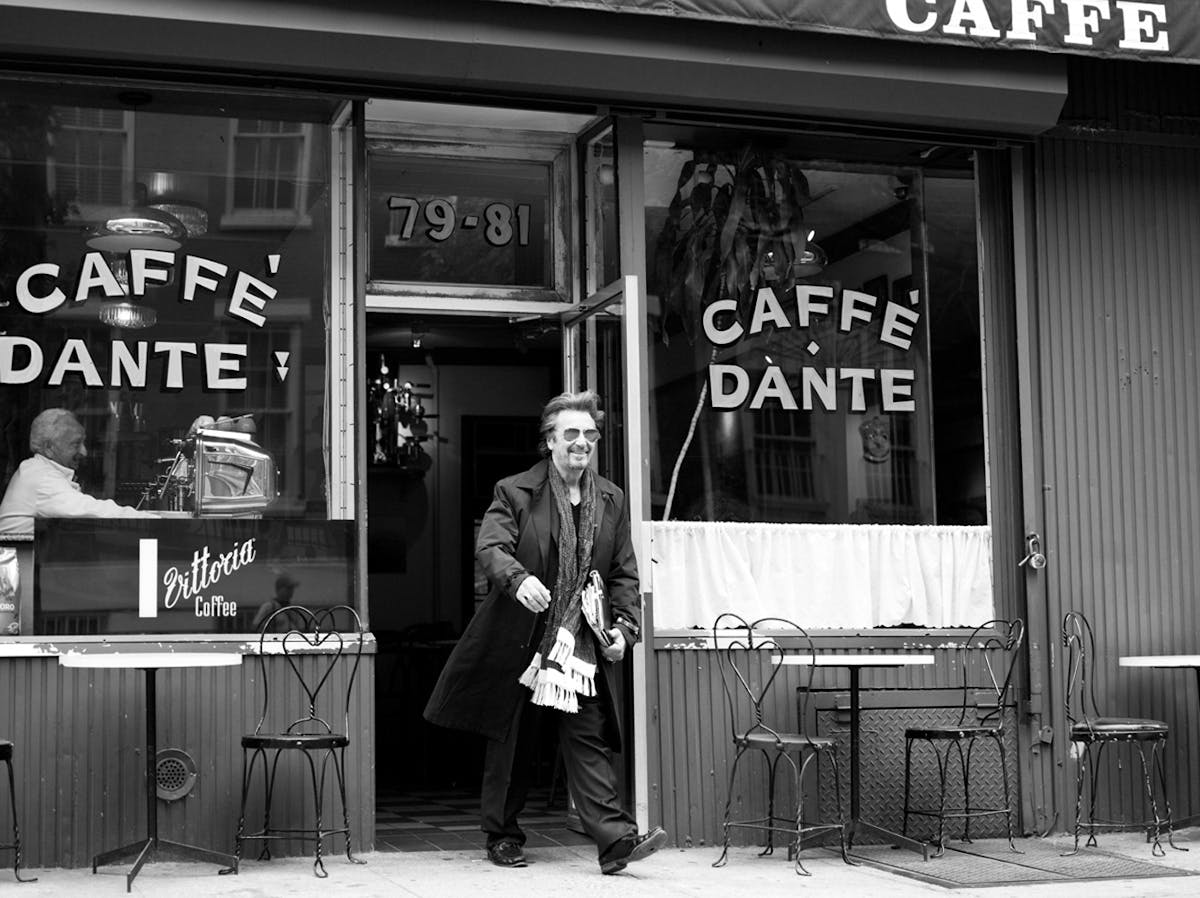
x=784 y=457
x=93 y=160
x=268 y=162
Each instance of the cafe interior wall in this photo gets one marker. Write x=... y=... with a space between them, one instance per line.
x=413 y=512
x=418 y=570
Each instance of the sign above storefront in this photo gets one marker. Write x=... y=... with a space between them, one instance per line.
x=1167 y=30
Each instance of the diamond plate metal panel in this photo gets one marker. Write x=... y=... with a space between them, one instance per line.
x=990 y=863
x=881 y=759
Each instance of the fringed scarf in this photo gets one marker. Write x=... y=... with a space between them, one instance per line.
x=564 y=666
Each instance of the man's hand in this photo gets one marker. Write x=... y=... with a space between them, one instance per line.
x=533 y=594
x=616 y=651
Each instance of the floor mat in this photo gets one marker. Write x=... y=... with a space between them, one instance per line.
x=416 y=820
x=989 y=862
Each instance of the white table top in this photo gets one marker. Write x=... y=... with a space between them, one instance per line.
x=865 y=659
x=144 y=660
x=1159 y=661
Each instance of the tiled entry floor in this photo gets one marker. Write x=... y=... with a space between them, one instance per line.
x=415 y=820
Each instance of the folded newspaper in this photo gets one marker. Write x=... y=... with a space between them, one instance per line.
x=595 y=609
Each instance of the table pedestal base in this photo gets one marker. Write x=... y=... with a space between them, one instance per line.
x=153 y=849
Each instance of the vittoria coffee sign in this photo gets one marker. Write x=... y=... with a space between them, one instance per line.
x=185 y=575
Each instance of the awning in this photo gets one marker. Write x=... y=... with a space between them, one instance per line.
x=1165 y=30
x=573 y=55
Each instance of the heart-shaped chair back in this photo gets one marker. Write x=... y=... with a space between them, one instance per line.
x=314 y=643
x=750 y=655
x=989 y=663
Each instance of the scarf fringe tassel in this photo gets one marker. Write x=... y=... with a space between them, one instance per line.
x=560 y=686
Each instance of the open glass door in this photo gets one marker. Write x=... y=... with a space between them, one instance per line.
x=603 y=341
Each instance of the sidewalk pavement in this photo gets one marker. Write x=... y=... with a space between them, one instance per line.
x=573 y=873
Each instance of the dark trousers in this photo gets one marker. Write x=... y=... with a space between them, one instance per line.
x=507 y=768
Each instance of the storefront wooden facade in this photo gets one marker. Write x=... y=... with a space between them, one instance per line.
x=1084 y=174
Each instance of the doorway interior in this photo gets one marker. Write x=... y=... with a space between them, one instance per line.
x=453 y=406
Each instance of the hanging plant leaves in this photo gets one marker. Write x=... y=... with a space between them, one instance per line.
x=734 y=223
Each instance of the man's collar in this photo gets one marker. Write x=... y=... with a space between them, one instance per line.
x=69 y=473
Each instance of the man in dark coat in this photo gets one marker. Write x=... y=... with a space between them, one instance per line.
x=529 y=653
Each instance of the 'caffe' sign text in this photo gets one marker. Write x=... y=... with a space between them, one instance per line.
x=1138 y=26
x=1164 y=30
x=40 y=291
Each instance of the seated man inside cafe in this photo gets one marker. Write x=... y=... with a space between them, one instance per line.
x=44 y=485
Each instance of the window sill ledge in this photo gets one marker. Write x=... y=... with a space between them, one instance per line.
x=244 y=643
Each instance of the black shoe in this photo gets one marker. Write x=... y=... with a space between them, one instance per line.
x=632 y=848
x=506 y=854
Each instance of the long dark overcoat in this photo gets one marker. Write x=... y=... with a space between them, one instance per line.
x=478 y=690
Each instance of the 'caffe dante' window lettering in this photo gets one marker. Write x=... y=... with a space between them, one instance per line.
x=801 y=310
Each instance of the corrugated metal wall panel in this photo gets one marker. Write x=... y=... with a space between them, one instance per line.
x=79 y=755
x=1118 y=325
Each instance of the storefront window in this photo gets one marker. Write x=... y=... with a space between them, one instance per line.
x=815 y=343
x=163 y=294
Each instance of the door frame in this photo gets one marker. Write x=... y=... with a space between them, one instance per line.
x=1047 y=789
x=624 y=298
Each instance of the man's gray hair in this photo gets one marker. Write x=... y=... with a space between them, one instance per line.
x=49 y=427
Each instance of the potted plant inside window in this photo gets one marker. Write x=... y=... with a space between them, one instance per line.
x=734 y=224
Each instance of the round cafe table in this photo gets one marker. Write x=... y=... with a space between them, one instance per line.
x=149 y=848
x=855 y=663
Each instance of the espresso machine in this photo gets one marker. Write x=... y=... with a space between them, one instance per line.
x=218 y=470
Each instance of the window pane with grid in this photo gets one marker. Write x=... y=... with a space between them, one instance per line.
x=90 y=155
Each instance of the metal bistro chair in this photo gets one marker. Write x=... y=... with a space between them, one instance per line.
x=747 y=648
x=1089 y=729
x=999 y=643
x=313 y=648
x=6 y=755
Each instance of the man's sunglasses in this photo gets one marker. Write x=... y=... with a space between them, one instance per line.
x=571 y=434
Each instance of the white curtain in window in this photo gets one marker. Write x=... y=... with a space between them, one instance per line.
x=822 y=576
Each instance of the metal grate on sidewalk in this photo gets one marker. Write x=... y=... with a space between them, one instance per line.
x=989 y=862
